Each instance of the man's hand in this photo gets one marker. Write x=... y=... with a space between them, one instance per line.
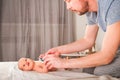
x=52 y=51
x=52 y=61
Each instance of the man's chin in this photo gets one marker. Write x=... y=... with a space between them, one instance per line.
x=80 y=14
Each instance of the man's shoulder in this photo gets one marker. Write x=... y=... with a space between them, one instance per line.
x=113 y=13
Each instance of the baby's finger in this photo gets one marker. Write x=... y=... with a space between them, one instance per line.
x=50 y=67
x=46 y=60
x=48 y=64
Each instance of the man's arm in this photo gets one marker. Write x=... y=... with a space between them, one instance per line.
x=110 y=45
x=79 y=45
x=82 y=44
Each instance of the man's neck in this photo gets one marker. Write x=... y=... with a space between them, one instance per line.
x=93 y=5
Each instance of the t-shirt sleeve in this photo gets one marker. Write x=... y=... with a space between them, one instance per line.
x=91 y=18
x=113 y=14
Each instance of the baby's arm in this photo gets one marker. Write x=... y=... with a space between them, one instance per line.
x=40 y=67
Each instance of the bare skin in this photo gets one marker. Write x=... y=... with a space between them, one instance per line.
x=102 y=57
x=27 y=64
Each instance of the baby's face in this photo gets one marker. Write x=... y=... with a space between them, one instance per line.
x=26 y=64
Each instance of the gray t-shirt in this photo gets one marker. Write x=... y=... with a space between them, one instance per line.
x=108 y=13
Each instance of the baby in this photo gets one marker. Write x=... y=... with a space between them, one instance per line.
x=27 y=64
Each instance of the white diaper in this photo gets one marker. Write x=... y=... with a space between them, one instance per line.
x=41 y=60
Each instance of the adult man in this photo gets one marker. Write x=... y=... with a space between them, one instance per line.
x=101 y=13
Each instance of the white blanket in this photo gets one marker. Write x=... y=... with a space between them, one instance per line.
x=10 y=71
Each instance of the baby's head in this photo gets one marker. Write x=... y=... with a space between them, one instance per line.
x=26 y=64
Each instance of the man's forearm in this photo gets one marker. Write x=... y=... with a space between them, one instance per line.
x=92 y=60
x=76 y=46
